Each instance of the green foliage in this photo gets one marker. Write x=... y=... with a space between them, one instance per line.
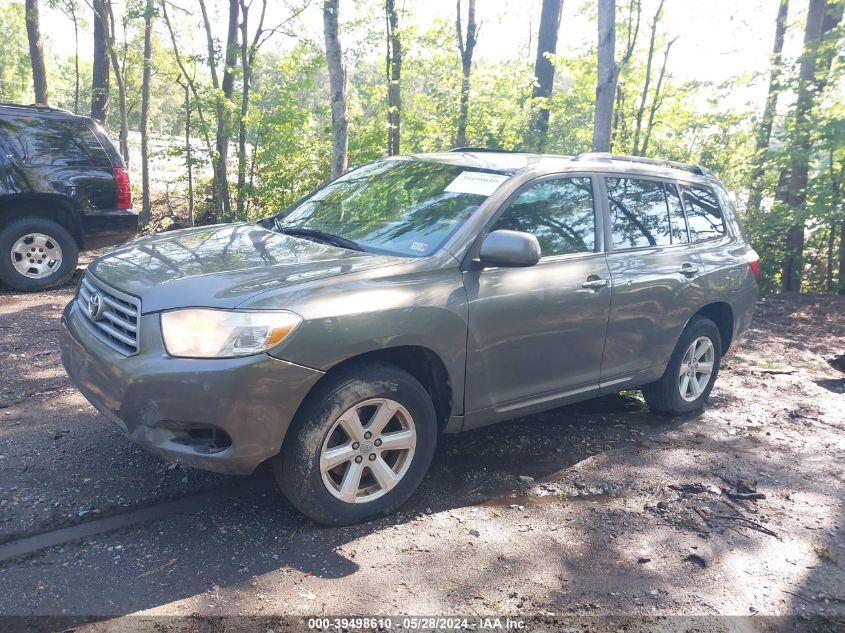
x=292 y=139
x=289 y=121
x=15 y=73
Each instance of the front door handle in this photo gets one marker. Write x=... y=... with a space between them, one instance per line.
x=594 y=284
x=689 y=270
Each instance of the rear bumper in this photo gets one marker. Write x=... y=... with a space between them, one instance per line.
x=108 y=228
x=156 y=400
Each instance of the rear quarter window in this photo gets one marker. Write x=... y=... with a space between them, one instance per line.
x=644 y=213
x=704 y=213
x=37 y=141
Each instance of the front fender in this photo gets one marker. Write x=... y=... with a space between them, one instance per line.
x=356 y=316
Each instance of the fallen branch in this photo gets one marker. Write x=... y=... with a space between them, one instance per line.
x=744 y=496
x=692 y=489
x=750 y=523
x=157 y=569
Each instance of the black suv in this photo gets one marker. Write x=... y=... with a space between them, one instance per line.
x=63 y=188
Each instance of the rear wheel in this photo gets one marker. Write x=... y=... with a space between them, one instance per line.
x=36 y=253
x=360 y=445
x=691 y=372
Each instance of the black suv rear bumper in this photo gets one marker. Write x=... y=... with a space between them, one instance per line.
x=108 y=228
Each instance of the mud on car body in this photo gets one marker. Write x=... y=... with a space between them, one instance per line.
x=412 y=296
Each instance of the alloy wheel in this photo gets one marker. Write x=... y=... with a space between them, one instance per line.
x=696 y=368
x=368 y=450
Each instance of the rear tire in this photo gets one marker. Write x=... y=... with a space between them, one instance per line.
x=686 y=383
x=36 y=253
x=335 y=465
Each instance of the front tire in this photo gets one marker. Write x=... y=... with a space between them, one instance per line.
x=359 y=446
x=36 y=253
x=691 y=372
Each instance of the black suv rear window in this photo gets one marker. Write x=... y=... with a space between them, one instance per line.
x=52 y=141
x=644 y=213
x=704 y=215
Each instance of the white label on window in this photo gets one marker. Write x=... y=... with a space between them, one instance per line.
x=476 y=182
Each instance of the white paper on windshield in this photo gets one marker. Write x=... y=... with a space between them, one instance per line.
x=476 y=182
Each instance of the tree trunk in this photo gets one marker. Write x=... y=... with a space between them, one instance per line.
x=104 y=9
x=146 y=208
x=649 y=62
x=246 y=68
x=224 y=124
x=36 y=52
x=189 y=162
x=607 y=73
x=466 y=46
x=223 y=93
x=337 y=88
x=75 y=20
x=394 y=72
x=822 y=17
x=620 y=127
x=100 y=74
x=764 y=134
x=544 y=70
x=657 y=99
x=831 y=246
x=841 y=290
x=197 y=101
x=252 y=159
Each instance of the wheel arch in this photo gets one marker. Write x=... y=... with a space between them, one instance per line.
x=722 y=315
x=421 y=362
x=43 y=205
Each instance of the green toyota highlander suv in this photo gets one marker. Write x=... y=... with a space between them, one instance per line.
x=412 y=296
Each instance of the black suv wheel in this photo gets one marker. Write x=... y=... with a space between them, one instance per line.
x=36 y=253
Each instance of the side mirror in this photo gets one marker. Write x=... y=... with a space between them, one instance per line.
x=510 y=249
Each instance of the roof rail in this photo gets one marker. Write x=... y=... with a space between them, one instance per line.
x=34 y=106
x=657 y=162
x=486 y=149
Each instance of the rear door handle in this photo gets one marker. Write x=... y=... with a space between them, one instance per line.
x=594 y=284
x=689 y=270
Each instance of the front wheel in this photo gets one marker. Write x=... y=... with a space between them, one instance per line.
x=359 y=447
x=692 y=370
x=36 y=253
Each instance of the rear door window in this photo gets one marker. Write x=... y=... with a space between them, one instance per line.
x=559 y=213
x=704 y=215
x=644 y=213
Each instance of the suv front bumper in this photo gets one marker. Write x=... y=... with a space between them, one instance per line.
x=169 y=405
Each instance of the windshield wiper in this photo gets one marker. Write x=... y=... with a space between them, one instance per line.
x=318 y=236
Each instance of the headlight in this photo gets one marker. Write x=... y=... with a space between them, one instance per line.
x=205 y=333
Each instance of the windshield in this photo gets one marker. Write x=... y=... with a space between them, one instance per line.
x=396 y=206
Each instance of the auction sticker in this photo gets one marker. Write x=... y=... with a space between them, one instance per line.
x=476 y=182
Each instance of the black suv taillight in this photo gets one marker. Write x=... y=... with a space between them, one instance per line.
x=753 y=263
x=124 y=193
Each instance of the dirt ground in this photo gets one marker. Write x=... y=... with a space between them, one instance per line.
x=600 y=510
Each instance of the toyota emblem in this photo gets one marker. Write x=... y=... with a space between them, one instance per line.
x=95 y=306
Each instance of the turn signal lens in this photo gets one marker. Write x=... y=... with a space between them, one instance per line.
x=206 y=333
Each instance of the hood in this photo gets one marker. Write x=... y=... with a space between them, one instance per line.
x=221 y=266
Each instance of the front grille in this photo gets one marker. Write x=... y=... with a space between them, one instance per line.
x=116 y=322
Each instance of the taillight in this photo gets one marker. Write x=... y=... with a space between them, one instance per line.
x=124 y=193
x=753 y=263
